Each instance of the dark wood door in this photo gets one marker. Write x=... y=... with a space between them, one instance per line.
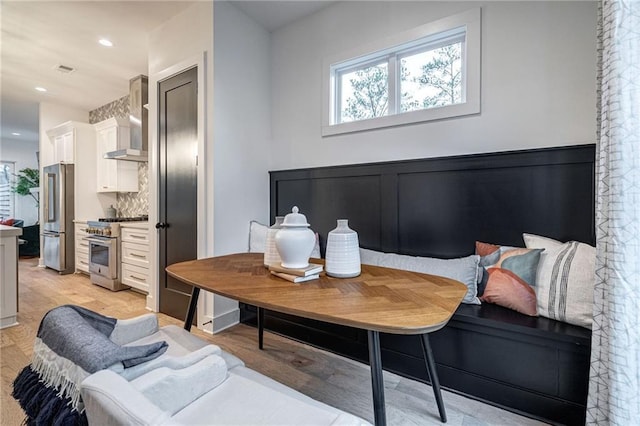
x=177 y=224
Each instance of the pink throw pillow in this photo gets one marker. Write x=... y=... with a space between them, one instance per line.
x=506 y=289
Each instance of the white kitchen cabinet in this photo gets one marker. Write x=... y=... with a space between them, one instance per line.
x=75 y=142
x=135 y=256
x=114 y=175
x=63 y=148
x=64 y=138
x=82 y=247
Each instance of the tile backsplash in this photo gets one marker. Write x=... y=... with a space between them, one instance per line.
x=117 y=108
x=127 y=203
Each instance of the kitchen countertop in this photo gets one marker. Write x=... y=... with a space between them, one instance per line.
x=10 y=231
x=140 y=225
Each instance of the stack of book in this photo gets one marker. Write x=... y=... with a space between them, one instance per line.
x=297 y=275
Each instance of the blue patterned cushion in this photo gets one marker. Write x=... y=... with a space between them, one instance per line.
x=509 y=276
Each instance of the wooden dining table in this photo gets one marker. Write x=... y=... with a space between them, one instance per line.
x=379 y=300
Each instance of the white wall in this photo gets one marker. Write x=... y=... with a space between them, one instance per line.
x=242 y=126
x=538 y=82
x=23 y=153
x=242 y=130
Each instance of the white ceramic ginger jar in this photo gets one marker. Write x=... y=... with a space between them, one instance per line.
x=295 y=241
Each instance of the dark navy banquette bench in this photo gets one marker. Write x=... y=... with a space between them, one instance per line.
x=439 y=207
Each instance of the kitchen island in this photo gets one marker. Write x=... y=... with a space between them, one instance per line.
x=9 y=275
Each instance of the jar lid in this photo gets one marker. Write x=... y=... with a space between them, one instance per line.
x=294 y=218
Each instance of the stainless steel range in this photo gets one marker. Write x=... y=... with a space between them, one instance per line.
x=104 y=251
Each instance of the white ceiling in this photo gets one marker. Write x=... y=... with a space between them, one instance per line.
x=38 y=36
x=275 y=14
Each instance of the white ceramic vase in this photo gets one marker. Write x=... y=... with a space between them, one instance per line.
x=342 y=258
x=271 y=255
x=294 y=240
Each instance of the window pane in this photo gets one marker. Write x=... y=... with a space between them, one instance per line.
x=5 y=174
x=364 y=93
x=6 y=196
x=432 y=78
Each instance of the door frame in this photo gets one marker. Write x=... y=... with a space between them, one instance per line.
x=204 y=177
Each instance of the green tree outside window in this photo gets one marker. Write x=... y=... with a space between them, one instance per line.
x=26 y=179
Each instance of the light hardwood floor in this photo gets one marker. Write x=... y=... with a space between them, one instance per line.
x=324 y=376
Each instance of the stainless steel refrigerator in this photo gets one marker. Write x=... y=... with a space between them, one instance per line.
x=57 y=226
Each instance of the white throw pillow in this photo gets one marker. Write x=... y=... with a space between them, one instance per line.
x=464 y=269
x=564 y=280
x=173 y=389
x=257 y=237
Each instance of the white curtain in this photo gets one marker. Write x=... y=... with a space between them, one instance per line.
x=614 y=388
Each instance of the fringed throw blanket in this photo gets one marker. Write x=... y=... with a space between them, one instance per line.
x=72 y=343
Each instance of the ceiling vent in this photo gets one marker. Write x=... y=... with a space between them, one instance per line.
x=65 y=69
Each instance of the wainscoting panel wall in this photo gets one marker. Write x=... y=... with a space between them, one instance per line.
x=439 y=207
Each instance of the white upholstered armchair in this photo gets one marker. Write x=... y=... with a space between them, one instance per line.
x=195 y=383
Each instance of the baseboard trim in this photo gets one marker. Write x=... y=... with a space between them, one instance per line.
x=226 y=320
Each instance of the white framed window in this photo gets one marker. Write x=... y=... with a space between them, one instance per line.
x=427 y=73
x=7 y=197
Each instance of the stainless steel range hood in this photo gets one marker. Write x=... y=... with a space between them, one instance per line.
x=137 y=147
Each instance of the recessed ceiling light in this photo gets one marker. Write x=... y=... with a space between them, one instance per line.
x=105 y=42
x=41 y=89
x=15 y=134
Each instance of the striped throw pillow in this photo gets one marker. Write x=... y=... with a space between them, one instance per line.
x=565 y=279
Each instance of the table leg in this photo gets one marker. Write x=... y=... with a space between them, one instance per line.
x=377 y=382
x=433 y=376
x=260 y=328
x=193 y=304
